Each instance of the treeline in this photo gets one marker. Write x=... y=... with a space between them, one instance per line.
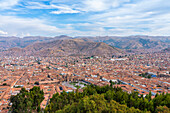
x=27 y=101
x=93 y=99
x=96 y=104
x=104 y=99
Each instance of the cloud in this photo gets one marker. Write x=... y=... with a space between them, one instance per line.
x=134 y=18
x=96 y=17
x=65 y=11
x=91 y=5
x=101 y=5
x=3 y=32
x=75 y=6
x=20 y=26
x=7 y=4
x=16 y=26
x=58 y=9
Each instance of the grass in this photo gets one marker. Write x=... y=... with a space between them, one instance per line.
x=77 y=87
x=72 y=84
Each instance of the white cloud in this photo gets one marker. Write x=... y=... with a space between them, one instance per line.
x=65 y=11
x=19 y=26
x=139 y=18
x=94 y=5
x=75 y=6
x=15 y=26
x=61 y=9
x=7 y=4
x=101 y=5
x=3 y=32
x=121 y=17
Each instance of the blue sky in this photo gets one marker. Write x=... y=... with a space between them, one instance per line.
x=84 y=17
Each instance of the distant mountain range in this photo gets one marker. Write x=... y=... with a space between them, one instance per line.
x=64 y=48
x=129 y=42
x=135 y=42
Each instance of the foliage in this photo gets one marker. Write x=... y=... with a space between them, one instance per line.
x=146 y=75
x=93 y=99
x=36 y=83
x=101 y=99
x=27 y=101
x=162 y=109
x=4 y=84
x=97 y=104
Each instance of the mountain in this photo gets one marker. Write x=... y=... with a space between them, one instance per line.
x=65 y=47
x=126 y=42
x=10 y=42
x=134 y=42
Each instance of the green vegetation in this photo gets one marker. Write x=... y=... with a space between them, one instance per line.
x=4 y=84
x=93 y=99
x=89 y=57
x=36 y=83
x=96 y=104
x=162 y=109
x=74 y=84
x=48 y=67
x=27 y=102
x=83 y=84
x=77 y=86
x=18 y=87
x=145 y=75
x=106 y=99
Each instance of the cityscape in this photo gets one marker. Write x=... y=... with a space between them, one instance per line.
x=134 y=72
x=84 y=56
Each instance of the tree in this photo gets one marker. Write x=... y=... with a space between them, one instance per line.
x=36 y=83
x=162 y=109
x=106 y=99
x=4 y=84
x=149 y=76
x=27 y=101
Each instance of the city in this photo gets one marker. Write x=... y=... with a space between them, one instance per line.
x=84 y=56
x=55 y=74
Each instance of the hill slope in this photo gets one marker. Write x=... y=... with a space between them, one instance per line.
x=65 y=47
x=126 y=42
x=10 y=42
x=134 y=42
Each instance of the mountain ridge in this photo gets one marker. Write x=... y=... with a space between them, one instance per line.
x=64 y=48
x=126 y=42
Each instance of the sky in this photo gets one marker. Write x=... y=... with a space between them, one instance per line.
x=84 y=17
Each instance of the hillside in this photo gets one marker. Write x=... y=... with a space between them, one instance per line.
x=134 y=42
x=126 y=42
x=65 y=47
x=10 y=42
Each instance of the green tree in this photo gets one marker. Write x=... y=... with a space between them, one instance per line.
x=162 y=109
x=27 y=101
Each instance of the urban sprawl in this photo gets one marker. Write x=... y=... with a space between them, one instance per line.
x=144 y=73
